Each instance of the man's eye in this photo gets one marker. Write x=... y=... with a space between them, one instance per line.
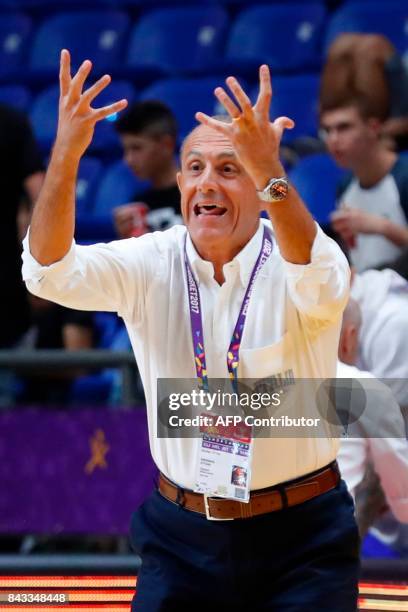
x=228 y=169
x=195 y=166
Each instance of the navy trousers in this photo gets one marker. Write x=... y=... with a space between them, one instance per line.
x=301 y=559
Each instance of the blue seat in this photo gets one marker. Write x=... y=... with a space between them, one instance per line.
x=296 y=97
x=177 y=40
x=185 y=97
x=316 y=178
x=106 y=141
x=118 y=186
x=16 y=96
x=44 y=7
x=89 y=172
x=15 y=31
x=249 y=2
x=95 y=35
x=388 y=18
x=287 y=37
x=44 y=117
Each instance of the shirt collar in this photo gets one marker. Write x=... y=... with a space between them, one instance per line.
x=245 y=260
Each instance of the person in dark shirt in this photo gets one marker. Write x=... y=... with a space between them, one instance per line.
x=148 y=131
x=21 y=177
x=54 y=327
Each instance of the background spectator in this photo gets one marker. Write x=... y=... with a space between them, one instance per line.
x=382 y=449
x=54 y=327
x=370 y=64
x=21 y=177
x=373 y=202
x=383 y=336
x=148 y=131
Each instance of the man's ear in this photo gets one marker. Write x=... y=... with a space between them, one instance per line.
x=179 y=179
x=170 y=142
x=345 y=343
x=375 y=125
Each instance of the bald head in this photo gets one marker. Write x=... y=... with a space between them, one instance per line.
x=222 y=118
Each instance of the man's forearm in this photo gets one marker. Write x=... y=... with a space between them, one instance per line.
x=293 y=225
x=397 y=234
x=53 y=219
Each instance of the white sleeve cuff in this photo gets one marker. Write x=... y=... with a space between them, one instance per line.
x=325 y=280
x=320 y=263
x=33 y=272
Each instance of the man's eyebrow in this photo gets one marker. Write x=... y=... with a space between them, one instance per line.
x=227 y=153
x=339 y=124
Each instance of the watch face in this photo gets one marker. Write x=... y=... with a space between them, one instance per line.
x=279 y=189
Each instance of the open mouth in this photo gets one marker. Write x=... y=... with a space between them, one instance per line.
x=214 y=210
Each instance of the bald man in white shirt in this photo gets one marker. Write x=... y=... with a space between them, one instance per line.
x=218 y=298
x=378 y=438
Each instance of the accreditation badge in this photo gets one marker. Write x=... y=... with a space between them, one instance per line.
x=224 y=459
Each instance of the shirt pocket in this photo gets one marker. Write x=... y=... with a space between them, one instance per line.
x=271 y=360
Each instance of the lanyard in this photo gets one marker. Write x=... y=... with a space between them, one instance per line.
x=197 y=323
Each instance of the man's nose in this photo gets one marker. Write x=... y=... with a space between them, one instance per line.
x=332 y=136
x=207 y=180
x=129 y=158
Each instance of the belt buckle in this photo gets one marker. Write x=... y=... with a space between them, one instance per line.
x=207 y=510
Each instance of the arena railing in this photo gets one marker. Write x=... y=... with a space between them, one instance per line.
x=89 y=360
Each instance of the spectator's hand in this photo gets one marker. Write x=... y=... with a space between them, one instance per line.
x=255 y=139
x=130 y=219
x=76 y=117
x=349 y=222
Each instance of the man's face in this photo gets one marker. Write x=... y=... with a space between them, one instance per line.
x=219 y=202
x=348 y=135
x=146 y=155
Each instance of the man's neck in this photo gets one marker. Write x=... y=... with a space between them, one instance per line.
x=166 y=178
x=221 y=254
x=376 y=165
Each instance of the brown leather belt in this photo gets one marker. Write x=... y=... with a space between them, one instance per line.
x=261 y=501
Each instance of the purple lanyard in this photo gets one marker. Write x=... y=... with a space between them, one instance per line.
x=197 y=323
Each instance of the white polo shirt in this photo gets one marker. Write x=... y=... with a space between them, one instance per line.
x=293 y=320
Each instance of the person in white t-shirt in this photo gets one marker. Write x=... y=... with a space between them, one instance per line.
x=217 y=298
x=383 y=337
x=372 y=204
x=377 y=439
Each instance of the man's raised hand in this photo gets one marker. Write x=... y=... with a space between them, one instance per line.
x=76 y=117
x=255 y=139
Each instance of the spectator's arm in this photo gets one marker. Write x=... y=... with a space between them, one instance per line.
x=350 y=222
x=397 y=234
